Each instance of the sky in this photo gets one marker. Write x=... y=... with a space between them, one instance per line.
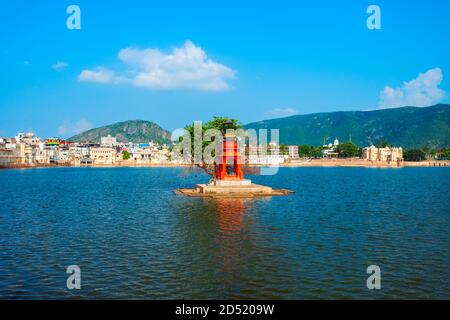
x=173 y=62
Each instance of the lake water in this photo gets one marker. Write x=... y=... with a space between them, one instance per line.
x=133 y=237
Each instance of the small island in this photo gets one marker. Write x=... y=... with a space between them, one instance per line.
x=218 y=148
x=228 y=178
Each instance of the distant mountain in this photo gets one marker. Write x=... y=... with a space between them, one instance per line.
x=138 y=131
x=408 y=127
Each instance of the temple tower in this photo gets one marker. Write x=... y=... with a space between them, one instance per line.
x=230 y=164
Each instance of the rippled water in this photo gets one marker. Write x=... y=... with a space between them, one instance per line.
x=133 y=238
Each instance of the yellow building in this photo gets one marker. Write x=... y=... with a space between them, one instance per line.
x=23 y=154
x=9 y=157
x=383 y=154
x=103 y=155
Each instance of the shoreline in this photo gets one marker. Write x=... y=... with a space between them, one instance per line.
x=354 y=162
x=289 y=164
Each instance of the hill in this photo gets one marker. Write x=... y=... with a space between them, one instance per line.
x=408 y=127
x=138 y=131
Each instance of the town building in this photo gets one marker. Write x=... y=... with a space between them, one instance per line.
x=40 y=154
x=23 y=154
x=27 y=138
x=7 y=143
x=23 y=150
x=53 y=142
x=108 y=141
x=150 y=153
x=293 y=152
x=9 y=157
x=268 y=159
x=382 y=154
x=263 y=154
x=103 y=155
x=330 y=150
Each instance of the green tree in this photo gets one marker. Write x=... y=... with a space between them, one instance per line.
x=430 y=153
x=414 y=155
x=348 y=149
x=126 y=155
x=304 y=151
x=307 y=151
x=316 y=152
x=220 y=123
x=383 y=143
x=284 y=149
x=443 y=154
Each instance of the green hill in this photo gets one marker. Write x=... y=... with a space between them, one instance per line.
x=408 y=127
x=138 y=131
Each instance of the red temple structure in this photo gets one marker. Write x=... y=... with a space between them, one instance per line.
x=230 y=164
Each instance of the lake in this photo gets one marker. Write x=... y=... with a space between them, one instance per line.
x=133 y=237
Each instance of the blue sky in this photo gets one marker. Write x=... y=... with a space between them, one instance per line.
x=173 y=62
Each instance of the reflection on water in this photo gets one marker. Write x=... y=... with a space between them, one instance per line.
x=133 y=238
x=229 y=215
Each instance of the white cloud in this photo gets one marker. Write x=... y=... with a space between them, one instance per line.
x=60 y=65
x=422 y=91
x=187 y=67
x=99 y=75
x=69 y=128
x=282 y=112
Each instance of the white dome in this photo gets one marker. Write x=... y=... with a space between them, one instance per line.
x=336 y=142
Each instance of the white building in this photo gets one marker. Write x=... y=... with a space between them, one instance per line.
x=330 y=150
x=108 y=141
x=28 y=138
x=268 y=159
x=7 y=143
x=293 y=152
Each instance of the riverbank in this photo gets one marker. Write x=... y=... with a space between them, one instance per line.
x=37 y=165
x=355 y=162
x=125 y=165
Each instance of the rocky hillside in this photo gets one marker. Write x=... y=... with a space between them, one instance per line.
x=138 y=131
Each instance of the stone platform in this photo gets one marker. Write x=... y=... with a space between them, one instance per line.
x=231 y=183
x=232 y=189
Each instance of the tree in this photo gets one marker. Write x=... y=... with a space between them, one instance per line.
x=443 y=154
x=219 y=123
x=307 y=151
x=125 y=155
x=414 y=155
x=304 y=151
x=348 y=150
x=284 y=149
x=316 y=152
x=430 y=153
x=383 y=144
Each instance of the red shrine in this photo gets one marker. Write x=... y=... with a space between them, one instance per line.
x=230 y=166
